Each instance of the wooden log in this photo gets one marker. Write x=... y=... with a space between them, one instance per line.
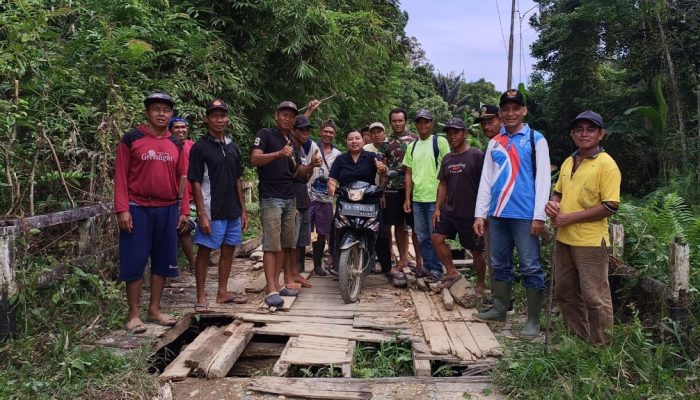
x=263 y=349
x=281 y=367
x=679 y=266
x=328 y=330
x=346 y=368
x=8 y=281
x=436 y=336
x=230 y=351
x=463 y=293
x=617 y=239
x=434 y=287
x=447 y=299
x=61 y=217
x=421 y=284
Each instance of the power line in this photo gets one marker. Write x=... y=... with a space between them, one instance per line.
x=503 y=36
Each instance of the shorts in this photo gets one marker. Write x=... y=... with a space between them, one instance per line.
x=154 y=235
x=321 y=217
x=278 y=222
x=450 y=227
x=393 y=213
x=302 y=229
x=223 y=232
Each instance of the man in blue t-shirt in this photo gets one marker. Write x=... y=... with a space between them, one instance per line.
x=513 y=191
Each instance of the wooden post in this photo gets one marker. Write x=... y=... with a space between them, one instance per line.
x=679 y=268
x=88 y=232
x=617 y=239
x=8 y=283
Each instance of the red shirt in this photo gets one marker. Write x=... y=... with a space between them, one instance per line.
x=147 y=170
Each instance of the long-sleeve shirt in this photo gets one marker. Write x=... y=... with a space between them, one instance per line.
x=507 y=187
x=148 y=170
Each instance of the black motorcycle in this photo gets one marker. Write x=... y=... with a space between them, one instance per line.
x=357 y=226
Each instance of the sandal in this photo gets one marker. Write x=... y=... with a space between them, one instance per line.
x=274 y=300
x=235 y=298
x=163 y=320
x=430 y=279
x=447 y=281
x=421 y=273
x=394 y=274
x=201 y=308
x=285 y=291
x=136 y=329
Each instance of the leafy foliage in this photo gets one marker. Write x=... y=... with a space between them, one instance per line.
x=383 y=360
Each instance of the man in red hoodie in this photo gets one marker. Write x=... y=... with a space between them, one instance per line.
x=149 y=164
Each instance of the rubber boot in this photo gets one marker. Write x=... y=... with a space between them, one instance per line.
x=531 y=329
x=501 y=300
x=301 y=257
x=318 y=248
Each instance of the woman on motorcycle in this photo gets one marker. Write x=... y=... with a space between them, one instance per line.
x=359 y=165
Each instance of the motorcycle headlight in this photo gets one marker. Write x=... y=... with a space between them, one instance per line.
x=356 y=194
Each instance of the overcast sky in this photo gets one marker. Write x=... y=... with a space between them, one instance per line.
x=465 y=35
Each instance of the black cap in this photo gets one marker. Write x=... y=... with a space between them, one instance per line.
x=424 y=114
x=592 y=116
x=217 y=104
x=288 y=105
x=302 y=122
x=454 y=123
x=159 y=97
x=512 y=95
x=487 y=111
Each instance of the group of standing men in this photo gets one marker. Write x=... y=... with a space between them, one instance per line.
x=437 y=187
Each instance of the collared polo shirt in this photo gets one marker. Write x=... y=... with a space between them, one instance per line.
x=596 y=180
x=345 y=170
x=217 y=166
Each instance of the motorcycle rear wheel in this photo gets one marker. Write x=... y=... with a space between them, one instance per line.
x=350 y=273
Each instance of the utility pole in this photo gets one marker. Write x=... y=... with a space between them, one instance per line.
x=510 y=48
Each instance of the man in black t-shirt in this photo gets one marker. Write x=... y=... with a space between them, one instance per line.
x=215 y=172
x=459 y=177
x=277 y=158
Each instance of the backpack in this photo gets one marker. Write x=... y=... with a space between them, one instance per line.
x=436 y=150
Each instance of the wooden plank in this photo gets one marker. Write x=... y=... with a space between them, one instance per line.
x=463 y=293
x=484 y=338
x=463 y=345
x=323 y=313
x=424 y=306
x=346 y=368
x=328 y=330
x=224 y=359
x=232 y=327
x=285 y=317
x=679 y=267
x=467 y=313
x=297 y=356
x=379 y=323
x=315 y=305
x=176 y=371
x=308 y=393
x=317 y=339
x=281 y=367
x=421 y=284
x=447 y=299
x=288 y=303
x=257 y=285
x=421 y=367
x=205 y=346
x=437 y=337
x=434 y=287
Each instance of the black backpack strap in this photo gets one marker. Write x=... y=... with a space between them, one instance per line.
x=533 y=154
x=436 y=149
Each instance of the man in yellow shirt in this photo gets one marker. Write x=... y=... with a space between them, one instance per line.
x=586 y=194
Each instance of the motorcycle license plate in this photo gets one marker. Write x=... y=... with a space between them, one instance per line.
x=358 y=210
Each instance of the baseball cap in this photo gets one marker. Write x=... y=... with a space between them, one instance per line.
x=376 y=125
x=288 y=105
x=302 y=122
x=487 y=111
x=512 y=95
x=424 y=114
x=158 y=97
x=175 y=120
x=454 y=123
x=590 y=116
x=216 y=104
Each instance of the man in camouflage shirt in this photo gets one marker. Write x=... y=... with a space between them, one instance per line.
x=393 y=151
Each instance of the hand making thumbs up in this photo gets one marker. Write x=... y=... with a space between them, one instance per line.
x=316 y=159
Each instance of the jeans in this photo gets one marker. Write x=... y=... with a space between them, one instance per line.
x=506 y=233
x=423 y=222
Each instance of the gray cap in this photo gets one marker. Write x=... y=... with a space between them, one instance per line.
x=454 y=123
x=589 y=115
x=376 y=125
x=424 y=114
x=288 y=105
x=158 y=97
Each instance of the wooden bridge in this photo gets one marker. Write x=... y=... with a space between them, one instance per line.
x=317 y=329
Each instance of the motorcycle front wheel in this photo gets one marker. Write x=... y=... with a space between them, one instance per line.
x=350 y=273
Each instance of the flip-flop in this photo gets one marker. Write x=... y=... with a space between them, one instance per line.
x=447 y=281
x=430 y=278
x=293 y=285
x=304 y=282
x=201 y=308
x=421 y=273
x=136 y=329
x=236 y=298
x=165 y=320
x=285 y=291
x=393 y=274
x=274 y=299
